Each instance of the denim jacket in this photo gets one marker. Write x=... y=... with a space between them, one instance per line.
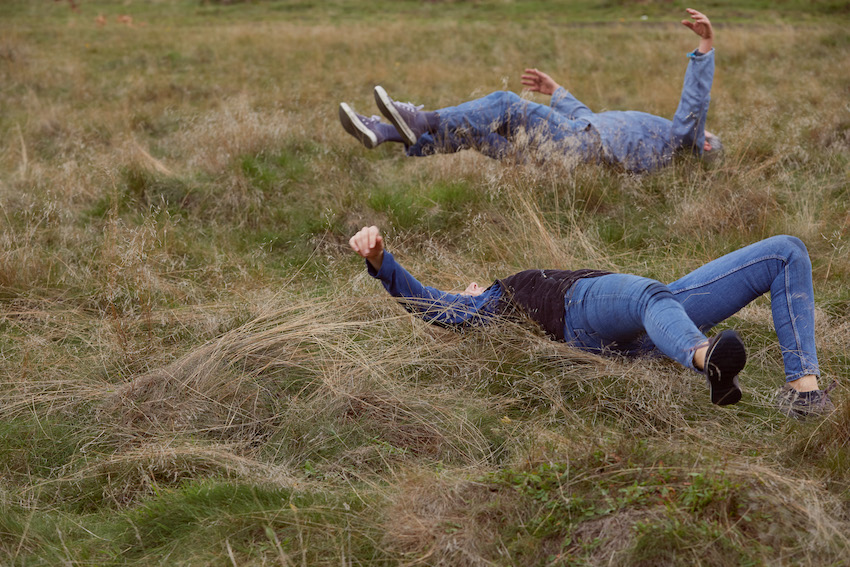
x=638 y=141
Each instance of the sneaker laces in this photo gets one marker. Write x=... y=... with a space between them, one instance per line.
x=409 y=106
x=369 y=121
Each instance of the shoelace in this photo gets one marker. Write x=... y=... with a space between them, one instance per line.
x=369 y=121
x=409 y=106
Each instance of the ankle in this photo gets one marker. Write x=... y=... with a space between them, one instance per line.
x=430 y=121
x=388 y=133
x=807 y=383
x=699 y=357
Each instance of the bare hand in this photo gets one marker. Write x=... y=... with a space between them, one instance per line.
x=538 y=82
x=702 y=27
x=369 y=244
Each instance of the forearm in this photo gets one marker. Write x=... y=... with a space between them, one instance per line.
x=396 y=280
x=433 y=305
x=689 y=120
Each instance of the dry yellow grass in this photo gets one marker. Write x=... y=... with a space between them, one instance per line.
x=179 y=306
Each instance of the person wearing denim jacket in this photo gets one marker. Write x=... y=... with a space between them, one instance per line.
x=605 y=312
x=630 y=140
x=638 y=141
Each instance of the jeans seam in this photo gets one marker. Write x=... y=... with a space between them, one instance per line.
x=792 y=316
x=781 y=258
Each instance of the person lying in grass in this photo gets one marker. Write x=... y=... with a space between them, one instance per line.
x=604 y=312
x=631 y=140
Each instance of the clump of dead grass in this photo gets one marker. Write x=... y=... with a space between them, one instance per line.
x=437 y=522
x=828 y=443
x=303 y=364
x=128 y=476
x=216 y=138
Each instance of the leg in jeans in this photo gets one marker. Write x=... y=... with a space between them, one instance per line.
x=779 y=265
x=491 y=145
x=613 y=312
x=491 y=124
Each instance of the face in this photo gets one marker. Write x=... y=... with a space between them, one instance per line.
x=473 y=289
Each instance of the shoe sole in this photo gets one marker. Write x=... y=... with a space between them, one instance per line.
x=725 y=358
x=388 y=109
x=354 y=126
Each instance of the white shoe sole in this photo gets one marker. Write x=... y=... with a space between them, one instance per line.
x=354 y=126
x=388 y=109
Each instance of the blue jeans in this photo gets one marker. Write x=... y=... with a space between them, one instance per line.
x=633 y=315
x=491 y=124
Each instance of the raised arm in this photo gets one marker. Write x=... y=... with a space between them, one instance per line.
x=689 y=120
x=433 y=305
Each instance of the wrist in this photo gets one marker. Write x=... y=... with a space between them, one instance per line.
x=377 y=260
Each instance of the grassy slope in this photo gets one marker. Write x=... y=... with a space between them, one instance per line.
x=196 y=371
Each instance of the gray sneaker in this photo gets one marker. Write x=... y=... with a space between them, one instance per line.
x=403 y=115
x=802 y=405
x=361 y=127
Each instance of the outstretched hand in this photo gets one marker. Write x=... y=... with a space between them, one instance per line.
x=369 y=243
x=702 y=27
x=538 y=82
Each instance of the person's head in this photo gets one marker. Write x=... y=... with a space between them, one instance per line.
x=473 y=289
x=712 y=148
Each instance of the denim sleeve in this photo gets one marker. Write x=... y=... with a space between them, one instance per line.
x=689 y=121
x=564 y=102
x=431 y=304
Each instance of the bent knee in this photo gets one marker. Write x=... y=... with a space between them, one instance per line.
x=789 y=246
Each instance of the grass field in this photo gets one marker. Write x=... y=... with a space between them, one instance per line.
x=197 y=371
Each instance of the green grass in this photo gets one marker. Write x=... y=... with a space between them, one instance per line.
x=195 y=370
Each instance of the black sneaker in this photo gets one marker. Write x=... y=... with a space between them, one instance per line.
x=725 y=358
x=403 y=115
x=802 y=405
